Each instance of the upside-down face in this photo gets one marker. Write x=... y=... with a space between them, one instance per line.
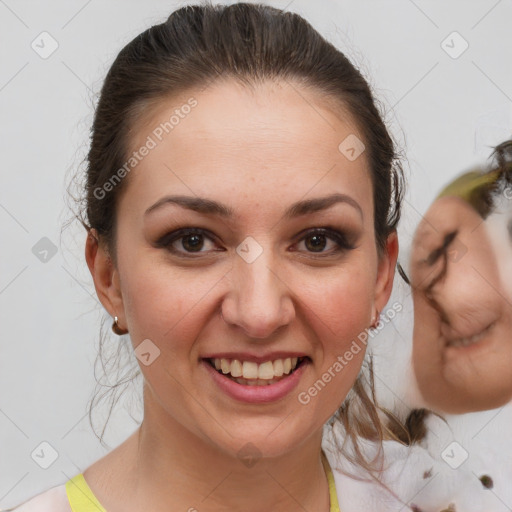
x=462 y=353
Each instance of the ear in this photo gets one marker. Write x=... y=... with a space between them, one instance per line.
x=386 y=271
x=105 y=277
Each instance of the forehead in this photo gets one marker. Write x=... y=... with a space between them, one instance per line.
x=274 y=139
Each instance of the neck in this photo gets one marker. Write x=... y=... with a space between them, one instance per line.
x=178 y=469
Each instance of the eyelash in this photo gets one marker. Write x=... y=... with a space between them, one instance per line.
x=338 y=237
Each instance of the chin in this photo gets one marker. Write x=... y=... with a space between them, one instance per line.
x=272 y=439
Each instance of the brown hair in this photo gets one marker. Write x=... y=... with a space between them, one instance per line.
x=250 y=43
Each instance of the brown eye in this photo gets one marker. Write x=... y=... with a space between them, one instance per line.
x=187 y=241
x=192 y=243
x=316 y=242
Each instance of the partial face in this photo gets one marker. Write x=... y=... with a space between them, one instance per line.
x=462 y=351
x=246 y=241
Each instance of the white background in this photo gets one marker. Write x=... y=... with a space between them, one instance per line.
x=445 y=112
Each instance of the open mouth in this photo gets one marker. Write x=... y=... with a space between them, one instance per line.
x=249 y=373
x=469 y=340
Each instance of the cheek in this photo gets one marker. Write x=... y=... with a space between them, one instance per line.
x=338 y=307
x=336 y=314
x=164 y=303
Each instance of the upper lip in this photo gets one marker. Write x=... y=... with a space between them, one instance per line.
x=247 y=356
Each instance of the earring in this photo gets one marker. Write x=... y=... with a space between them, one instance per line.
x=376 y=320
x=117 y=330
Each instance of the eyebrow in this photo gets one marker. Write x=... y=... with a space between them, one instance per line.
x=211 y=207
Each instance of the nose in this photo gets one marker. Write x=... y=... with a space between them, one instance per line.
x=260 y=300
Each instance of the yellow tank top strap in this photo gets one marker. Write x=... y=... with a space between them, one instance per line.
x=80 y=496
x=334 y=507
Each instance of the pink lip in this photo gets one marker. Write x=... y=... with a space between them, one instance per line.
x=246 y=356
x=256 y=394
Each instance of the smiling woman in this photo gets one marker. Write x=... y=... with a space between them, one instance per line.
x=245 y=250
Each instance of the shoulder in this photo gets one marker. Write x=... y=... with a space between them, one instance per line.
x=52 y=500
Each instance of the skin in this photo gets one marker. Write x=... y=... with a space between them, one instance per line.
x=257 y=151
x=471 y=296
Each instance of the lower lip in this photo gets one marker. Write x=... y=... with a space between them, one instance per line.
x=257 y=394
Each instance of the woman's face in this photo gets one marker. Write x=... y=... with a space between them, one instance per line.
x=462 y=351
x=281 y=263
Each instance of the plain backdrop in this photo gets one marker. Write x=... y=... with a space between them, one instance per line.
x=447 y=98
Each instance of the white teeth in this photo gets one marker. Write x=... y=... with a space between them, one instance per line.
x=225 y=366
x=278 y=367
x=250 y=370
x=236 y=368
x=266 y=370
x=257 y=374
